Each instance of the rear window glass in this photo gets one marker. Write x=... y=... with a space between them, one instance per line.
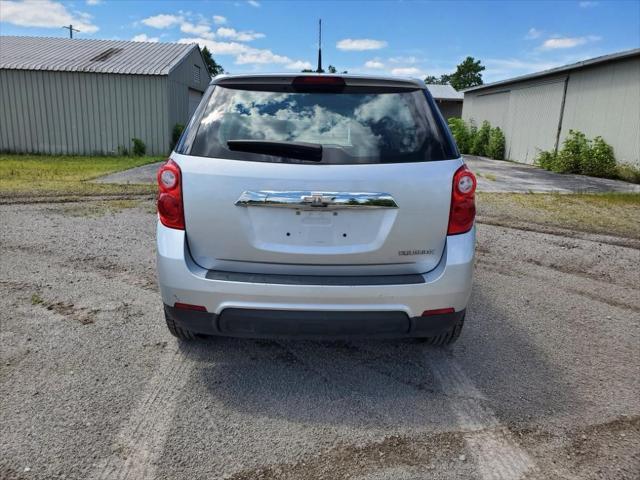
x=352 y=126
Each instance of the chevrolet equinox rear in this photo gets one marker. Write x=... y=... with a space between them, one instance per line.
x=316 y=206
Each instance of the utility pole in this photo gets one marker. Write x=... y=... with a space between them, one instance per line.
x=71 y=30
x=319 y=70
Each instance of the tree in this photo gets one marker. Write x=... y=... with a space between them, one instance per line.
x=468 y=74
x=330 y=69
x=213 y=67
x=433 y=80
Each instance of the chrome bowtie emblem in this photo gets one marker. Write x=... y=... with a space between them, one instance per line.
x=317 y=199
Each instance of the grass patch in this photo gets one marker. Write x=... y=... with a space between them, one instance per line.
x=615 y=214
x=41 y=175
x=489 y=176
x=36 y=299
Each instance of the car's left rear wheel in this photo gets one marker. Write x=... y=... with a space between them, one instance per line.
x=178 y=332
x=446 y=338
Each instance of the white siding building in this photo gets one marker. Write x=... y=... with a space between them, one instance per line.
x=600 y=96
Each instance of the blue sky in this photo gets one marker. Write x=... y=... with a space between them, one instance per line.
x=410 y=38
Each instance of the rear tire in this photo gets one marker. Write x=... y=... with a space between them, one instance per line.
x=179 y=332
x=446 y=338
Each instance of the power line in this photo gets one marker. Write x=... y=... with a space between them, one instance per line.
x=71 y=30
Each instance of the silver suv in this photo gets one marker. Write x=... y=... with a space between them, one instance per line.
x=316 y=206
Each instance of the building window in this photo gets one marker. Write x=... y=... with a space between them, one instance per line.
x=196 y=74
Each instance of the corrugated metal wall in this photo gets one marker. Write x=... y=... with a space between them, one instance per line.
x=533 y=117
x=602 y=100
x=180 y=80
x=81 y=113
x=492 y=106
x=605 y=101
x=528 y=113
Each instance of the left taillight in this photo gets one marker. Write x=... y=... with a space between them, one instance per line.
x=170 y=208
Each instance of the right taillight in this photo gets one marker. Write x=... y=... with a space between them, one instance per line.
x=463 y=204
x=170 y=208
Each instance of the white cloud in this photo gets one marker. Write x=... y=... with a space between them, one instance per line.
x=501 y=68
x=219 y=19
x=511 y=67
x=588 y=4
x=405 y=60
x=162 y=21
x=413 y=71
x=233 y=34
x=94 y=2
x=374 y=64
x=218 y=48
x=253 y=3
x=255 y=55
x=532 y=34
x=44 y=14
x=567 y=42
x=144 y=38
x=360 y=44
x=298 y=65
x=246 y=55
x=202 y=30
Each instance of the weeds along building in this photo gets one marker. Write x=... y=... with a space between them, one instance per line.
x=85 y=97
x=600 y=96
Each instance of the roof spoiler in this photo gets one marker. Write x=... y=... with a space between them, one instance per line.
x=246 y=81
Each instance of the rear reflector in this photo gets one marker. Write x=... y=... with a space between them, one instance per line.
x=438 y=311
x=188 y=306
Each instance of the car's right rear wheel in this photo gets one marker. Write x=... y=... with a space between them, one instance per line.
x=178 y=332
x=446 y=338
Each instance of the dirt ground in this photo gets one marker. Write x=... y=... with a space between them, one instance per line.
x=543 y=384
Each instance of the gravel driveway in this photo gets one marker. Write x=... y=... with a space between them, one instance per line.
x=544 y=382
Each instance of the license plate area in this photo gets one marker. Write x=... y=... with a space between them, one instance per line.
x=305 y=230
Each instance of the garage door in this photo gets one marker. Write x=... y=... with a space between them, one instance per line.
x=194 y=100
x=534 y=114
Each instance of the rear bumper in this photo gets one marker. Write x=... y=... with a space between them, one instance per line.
x=237 y=322
x=181 y=280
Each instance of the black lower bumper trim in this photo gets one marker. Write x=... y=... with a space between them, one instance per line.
x=322 y=280
x=238 y=321
x=253 y=323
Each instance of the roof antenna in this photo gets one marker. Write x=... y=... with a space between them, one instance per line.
x=319 y=70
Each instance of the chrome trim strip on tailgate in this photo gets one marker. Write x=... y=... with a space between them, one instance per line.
x=307 y=200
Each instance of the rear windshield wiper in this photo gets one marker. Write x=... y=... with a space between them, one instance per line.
x=299 y=150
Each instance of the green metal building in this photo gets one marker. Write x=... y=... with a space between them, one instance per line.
x=85 y=97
